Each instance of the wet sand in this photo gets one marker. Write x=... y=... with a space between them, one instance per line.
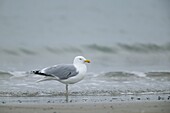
x=117 y=107
x=103 y=104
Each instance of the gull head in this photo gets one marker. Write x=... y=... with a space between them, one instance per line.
x=80 y=60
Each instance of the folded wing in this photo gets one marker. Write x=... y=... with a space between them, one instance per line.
x=59 y=71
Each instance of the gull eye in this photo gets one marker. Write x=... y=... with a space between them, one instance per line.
x=80 y=58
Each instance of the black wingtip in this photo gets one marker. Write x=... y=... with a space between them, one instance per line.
x=36 y=72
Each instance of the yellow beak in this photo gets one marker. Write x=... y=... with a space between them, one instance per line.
x=88 y=61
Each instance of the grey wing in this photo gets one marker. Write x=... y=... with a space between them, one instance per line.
x=61 y=71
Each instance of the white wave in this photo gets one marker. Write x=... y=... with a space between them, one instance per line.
x=139 y=74
x=18 y=74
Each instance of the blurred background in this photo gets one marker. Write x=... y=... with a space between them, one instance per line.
x=117 y=35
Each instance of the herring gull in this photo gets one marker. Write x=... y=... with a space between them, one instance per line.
x=65 y=73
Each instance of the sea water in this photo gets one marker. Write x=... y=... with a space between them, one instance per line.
x=127 y=42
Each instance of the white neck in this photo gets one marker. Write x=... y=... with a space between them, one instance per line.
x=81 y=68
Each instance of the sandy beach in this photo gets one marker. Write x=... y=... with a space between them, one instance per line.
x=98 y=104
x=117 y=107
